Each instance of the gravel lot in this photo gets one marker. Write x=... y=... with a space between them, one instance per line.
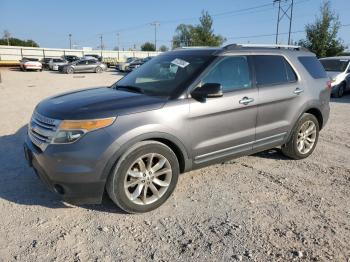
x=263 y=207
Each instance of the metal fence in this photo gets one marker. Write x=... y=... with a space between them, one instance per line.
x=15 y=53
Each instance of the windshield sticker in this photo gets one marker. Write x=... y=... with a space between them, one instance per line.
x=179 y=62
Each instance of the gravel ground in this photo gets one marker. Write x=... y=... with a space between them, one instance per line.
x=263 y=207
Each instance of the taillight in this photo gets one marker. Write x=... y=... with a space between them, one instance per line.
x=329 y=84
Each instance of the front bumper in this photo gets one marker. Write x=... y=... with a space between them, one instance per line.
x=72 y=171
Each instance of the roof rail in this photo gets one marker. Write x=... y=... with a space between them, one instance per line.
x=194 y=47
x=236 y=46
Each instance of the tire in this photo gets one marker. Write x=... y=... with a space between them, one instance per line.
x=98 y=70
x=70 y=70
x=340 y=91
x=123 y=196
x=294 y=148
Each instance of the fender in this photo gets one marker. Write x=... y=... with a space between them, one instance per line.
x=119 y=149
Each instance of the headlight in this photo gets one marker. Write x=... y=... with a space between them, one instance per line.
x=70 y=131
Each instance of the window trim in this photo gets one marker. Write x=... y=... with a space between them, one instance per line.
x=286 y=60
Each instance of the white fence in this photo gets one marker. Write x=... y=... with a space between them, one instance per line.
x=15 y=53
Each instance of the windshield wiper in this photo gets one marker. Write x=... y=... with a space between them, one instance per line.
x=134 y=89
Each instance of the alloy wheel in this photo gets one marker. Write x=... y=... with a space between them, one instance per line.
x=306 y=137
x=147 y=179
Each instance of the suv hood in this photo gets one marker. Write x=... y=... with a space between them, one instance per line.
x=97 y=103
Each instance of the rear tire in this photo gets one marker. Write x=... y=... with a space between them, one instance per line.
x=98 y=70
x=303 y=139
x=144 y=177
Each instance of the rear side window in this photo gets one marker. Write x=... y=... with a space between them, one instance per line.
x=313 y=66
x=273 y=70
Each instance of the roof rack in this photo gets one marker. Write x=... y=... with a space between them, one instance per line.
x=277 y=46
x=194 y=47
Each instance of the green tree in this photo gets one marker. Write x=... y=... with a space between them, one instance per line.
x=163 y=48
x=7 y=40
x=321 y=36
x=198 y=35
x=148 y=47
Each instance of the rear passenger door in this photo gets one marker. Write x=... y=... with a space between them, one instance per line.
x=280 y=96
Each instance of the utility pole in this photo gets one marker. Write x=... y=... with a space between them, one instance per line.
x=101 y=43
x=70 y=41
x=284 y=11
x=155 y=24
x=118 y=43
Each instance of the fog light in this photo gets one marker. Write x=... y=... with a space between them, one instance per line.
x=58 y=189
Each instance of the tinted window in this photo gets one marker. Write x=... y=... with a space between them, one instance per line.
x=231 y=72
x=273 y=69
x=92 y=62
x=313 y=66
x=334 y=65
x=83 y=62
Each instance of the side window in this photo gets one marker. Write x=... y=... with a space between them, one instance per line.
x=272 y=70
x=92 y=62
x=83 y=62
x=291 y=75
x=313 y=66
x=231 y=72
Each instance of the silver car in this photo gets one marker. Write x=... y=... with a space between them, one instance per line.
x=54 y=63
x=183 y=110
x=338 y=70
x=83 y=65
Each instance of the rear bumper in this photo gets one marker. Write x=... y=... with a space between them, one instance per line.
x=77 y=180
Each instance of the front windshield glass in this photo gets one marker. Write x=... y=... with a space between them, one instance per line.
x=334 y=65
x=164 y=75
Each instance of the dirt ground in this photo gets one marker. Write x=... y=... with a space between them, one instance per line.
x=263 y=207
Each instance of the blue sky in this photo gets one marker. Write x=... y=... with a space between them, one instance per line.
x=50 y=22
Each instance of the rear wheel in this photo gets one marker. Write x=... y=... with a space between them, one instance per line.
x=98 y=70
x=144 y=177
x=303 y=139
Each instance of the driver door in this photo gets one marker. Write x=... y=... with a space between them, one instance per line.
x=224 y=127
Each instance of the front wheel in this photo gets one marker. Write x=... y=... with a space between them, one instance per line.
x=144 y=177
x=340 y=91
x=303 y=139
x=70 y=70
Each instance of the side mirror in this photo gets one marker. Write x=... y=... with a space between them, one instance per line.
x=208 y=90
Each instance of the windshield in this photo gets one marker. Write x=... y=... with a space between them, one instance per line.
x=165 y=75
x=334 y=65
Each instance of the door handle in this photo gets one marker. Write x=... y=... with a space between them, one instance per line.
x=246 y=100
x=298 y=91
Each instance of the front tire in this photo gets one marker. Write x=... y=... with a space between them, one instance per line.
x=144 y=177
x=303 y=139
x=70 y=70
x=340 y=91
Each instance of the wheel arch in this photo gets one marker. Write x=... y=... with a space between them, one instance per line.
x=317 y=113
x=172 y=142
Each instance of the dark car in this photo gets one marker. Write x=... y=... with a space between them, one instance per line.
x=70 y=58
x=83 y=65
x=137 y=63
x=183 y=110
x=99 y=58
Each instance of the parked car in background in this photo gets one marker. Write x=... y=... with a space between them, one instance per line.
x=56 y=62
x=183 y=110
x=122 y=66
x=83 y=65
x=98 y=57
x=45 y=62
x=30 y=64
x=338 y=70
x=70 y=58
x=137 y=63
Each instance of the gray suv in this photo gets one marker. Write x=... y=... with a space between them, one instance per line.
x=183 y=110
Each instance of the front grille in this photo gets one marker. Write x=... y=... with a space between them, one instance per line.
x=42 y=130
